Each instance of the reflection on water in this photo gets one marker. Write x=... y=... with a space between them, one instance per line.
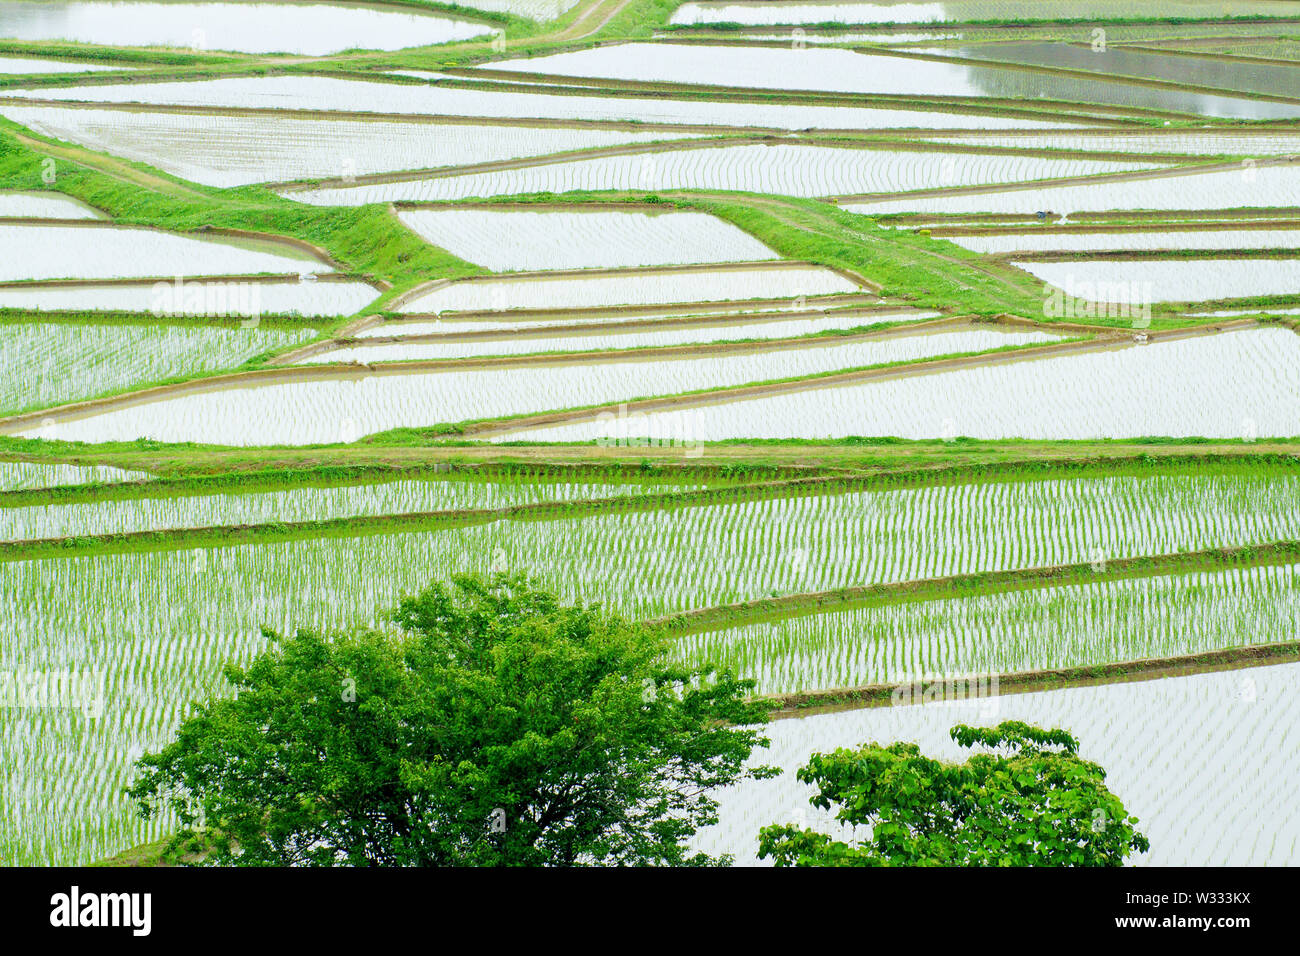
x=1010 y=83
x=1265 y=78
x=251 y=27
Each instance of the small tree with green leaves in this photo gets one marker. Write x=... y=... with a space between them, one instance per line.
x=1034 y=803
x=497 y=728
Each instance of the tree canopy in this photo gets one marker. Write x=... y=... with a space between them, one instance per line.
x=1036 y=804
x=492 y=726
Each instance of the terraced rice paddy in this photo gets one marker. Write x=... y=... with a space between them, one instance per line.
x=847 y=71
x=310 y=29
x=1213 y=795
x=1181 y=280
x=224 y=151
x=757 y=311
x=787 y=170
x=1002 y=633
x=705 y=556
x=52 y=363
x=519 y=239
x=195 y=297
x=359 y=96
x=1260 y=78
x=22 y=205
x=41 y=251
x=452 y=346
x=23 y=64
x=128 y=515
x=24 y=475
x=1133 y=391
x=1226 y=142
x=346 y=406
x=960 y=11
x=1245 y=186
x=647 y=287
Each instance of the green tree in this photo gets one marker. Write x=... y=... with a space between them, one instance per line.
x=493 y=727
x=1037 y=804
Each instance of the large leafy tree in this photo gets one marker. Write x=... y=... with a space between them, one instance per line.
x=492 y=727
x=1031 y=802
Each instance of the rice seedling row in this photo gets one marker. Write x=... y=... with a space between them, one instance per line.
x=790 y=170
x=22 y=475
x=126 y=515
x=1038 y=629
x=224 y=150
x=52 y=363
